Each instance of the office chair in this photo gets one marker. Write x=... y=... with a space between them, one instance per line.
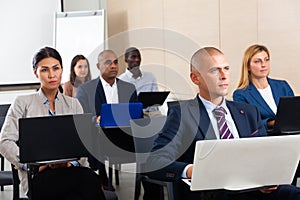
x=16 y=184
x=6 y=177
x=144 y=132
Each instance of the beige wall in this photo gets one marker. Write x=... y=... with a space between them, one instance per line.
x=231 y=25
x=169 y=31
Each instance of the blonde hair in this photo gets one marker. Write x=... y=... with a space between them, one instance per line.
x=248 y=55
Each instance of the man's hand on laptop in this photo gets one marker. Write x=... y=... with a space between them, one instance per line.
x=268 y=189
x=98 y=120
x=189 y=172
x=271 y=123
x=55 y=166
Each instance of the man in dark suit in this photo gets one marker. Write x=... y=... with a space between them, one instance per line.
x=107 y=88
x=192 y=120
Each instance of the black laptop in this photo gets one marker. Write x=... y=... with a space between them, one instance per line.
x=287 y=120
x=54 y=139
x=153 y=98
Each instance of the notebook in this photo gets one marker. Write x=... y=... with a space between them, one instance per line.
x=51 y=139
x=287 y=116
x=152 y=98
x=243 y=164
x=119 y=114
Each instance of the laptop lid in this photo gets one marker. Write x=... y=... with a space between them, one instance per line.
x=119 y=114
x=245 y=163
x=153 y=98
x=287 y=116
x=43 y=139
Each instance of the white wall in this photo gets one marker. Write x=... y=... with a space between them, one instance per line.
x=25 y=27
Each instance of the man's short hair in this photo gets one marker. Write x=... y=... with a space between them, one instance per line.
x=129 y=50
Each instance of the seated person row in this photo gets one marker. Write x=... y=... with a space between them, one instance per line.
x=192 y=120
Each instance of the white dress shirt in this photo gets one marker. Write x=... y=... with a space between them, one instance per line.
x=145 y=83
x=111 y=92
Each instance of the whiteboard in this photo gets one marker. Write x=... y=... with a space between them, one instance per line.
x=26 y=26
x=79 y=33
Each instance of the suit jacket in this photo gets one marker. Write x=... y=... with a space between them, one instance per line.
x=32 y=105
x=252 y=96
x=91 y=95
x=188 y=122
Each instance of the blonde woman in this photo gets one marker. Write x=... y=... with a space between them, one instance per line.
x=255 y=87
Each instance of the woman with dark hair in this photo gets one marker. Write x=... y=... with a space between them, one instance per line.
x=79 y=73
x=67 y=180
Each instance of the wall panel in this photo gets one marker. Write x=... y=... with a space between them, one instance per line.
x=279 y=30
x=238 y=29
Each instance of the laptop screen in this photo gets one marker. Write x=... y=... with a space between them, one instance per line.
x=119 y=114
x=287 y=116
x=54 y=138
x=153 y=98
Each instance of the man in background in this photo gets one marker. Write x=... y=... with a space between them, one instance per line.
x=144 y=81
x=106 y=88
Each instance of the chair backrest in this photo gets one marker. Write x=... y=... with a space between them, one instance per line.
x=5 y=176
x=16 y=185
x=144 y=132
x=3 y=111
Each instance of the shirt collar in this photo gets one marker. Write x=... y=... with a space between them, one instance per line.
x=129 y=74
x=210 y=106
x=45 y=100
x=106 y=84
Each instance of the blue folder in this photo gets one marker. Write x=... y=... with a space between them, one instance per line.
x=119 y=114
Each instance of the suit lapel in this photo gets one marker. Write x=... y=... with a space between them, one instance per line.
x=275 y=91
x=203 y=121
x=259 y=99
x=100 y=97
x=239 y=118
x=120 y=91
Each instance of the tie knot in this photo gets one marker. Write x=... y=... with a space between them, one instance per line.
x=219 y=111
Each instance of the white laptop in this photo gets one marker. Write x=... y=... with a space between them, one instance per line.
x=246 y=163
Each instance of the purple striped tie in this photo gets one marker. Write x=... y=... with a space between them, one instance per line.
x=225 y=133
